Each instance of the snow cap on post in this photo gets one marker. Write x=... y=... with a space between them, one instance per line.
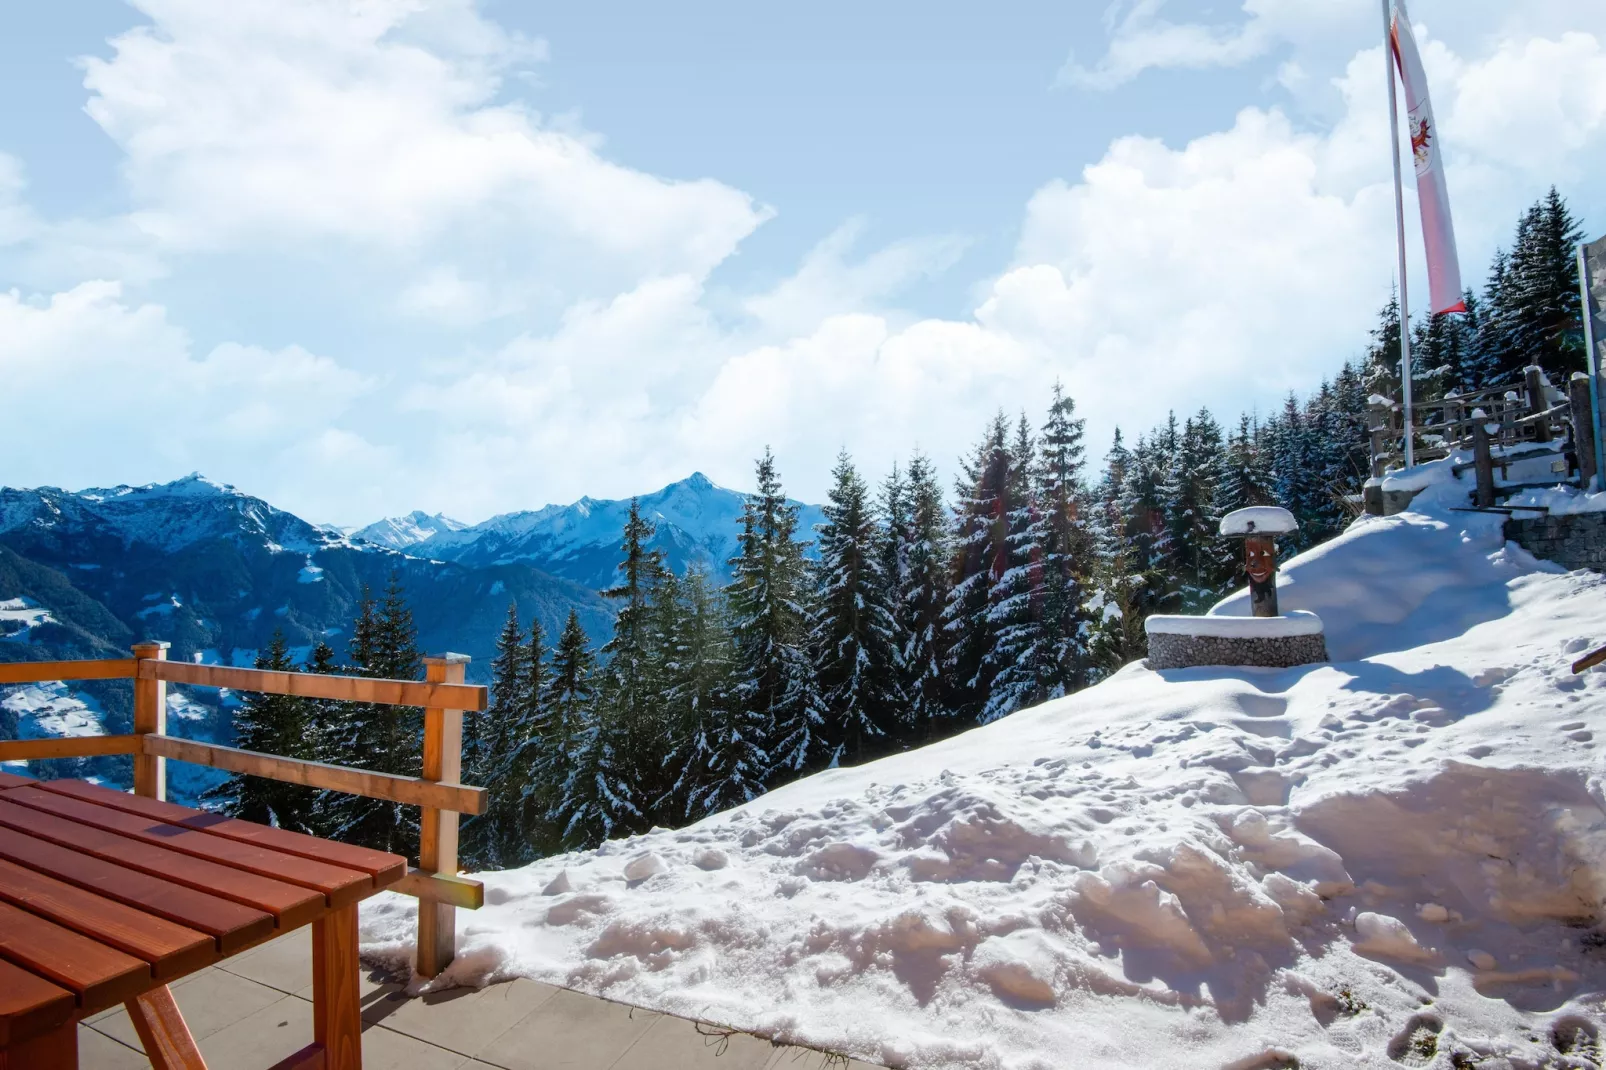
x=1259 y=520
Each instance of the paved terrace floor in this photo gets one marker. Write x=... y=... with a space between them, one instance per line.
x=250 y=1011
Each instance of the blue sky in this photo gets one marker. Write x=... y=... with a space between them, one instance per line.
x=362 y=259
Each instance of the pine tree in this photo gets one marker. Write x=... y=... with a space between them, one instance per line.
x=852 y=628
x=629 y=748
x=270 y=724
x=725 y=762
x=1066 y=546
x=1543 y=289
x=1018 y=657
x=981 y=556
x=922 y=601
x=570 y=780
x=895 y=544
x=1194 y=515
x=1123 y=594
x=769 y=622
x=489 y=741
x=1245 y=478
x=385 y=739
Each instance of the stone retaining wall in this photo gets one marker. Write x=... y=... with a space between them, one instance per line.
x=1575 y=540
x=1168 y=651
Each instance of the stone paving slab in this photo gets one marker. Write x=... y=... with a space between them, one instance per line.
x=253 y=1010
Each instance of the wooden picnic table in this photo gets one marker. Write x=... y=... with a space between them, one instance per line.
x=106 y=898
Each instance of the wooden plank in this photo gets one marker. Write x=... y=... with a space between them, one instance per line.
x=12 y=780
x=39 y=672
x=150 y=717
x=22 y=750
x=319 y=685
x=442 y=888
x=437 y=829
x=1590 y=660
x=53 y=1050
x=162 y=1032
x=412 y=791
x=172 y=949
x=231 y=925
x=290 y=904
x=336 y=1006
x=385 y=868
x=338 y=885
x=99 y=976
x=30 y=1005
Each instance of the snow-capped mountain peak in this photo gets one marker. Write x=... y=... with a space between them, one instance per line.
x=400 y=532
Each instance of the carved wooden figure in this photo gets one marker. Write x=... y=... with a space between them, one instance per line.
x=1259 y=526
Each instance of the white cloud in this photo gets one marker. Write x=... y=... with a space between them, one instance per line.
x=267 y=126
x=96 y=385
x=1222 y=270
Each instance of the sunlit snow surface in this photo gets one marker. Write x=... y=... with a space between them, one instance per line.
x=1393 y=859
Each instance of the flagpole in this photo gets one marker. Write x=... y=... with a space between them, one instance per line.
x=1399 y=235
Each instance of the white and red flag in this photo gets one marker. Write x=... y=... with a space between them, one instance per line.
x=1438 y=234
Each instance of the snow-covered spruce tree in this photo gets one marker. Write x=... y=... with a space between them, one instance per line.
x=922 y=601
x=630 y=733
x=981 y=556
x=1383 y=352
x=1245 y=477
x=1066 y=545
x=1018 y=659
x=386 y=739
x=270 y=724
x=524 y=828
x=895 y=536
x=768 y=598
x=1119 y=604
x=851 y=629
x=488 y=746
x=571 y=778
x=1542 y=291
x=725 y=761
x=1201 y=557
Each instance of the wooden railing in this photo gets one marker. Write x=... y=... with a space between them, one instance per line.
x=1499 y=425
x=440 y=797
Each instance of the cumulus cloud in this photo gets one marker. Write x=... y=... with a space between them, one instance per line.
x=1223 y=269
x=264 y=125
x=95 y=384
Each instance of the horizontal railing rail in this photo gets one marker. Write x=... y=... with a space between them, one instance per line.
x=443 y=696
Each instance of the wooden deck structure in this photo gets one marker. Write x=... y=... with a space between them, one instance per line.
x=444 y=696
x=1499 y=425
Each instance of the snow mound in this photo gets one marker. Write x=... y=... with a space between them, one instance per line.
x=1295 y=622
x=1398 y=857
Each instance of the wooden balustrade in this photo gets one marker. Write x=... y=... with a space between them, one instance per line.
x=438 y=793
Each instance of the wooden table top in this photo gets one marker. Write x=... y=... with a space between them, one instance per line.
x=105 y=895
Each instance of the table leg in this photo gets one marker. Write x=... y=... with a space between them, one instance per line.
x=55 y=1050
x=161 y=1029
x=336 y=1008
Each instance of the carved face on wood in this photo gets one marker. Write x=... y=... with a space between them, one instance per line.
x=1260 y=558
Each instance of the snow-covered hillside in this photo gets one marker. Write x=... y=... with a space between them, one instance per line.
x=1394 y=859
x=697 y=522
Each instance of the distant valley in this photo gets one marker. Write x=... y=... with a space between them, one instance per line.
x=216 y=572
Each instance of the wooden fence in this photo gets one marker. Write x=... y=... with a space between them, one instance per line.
x=438 y=793
x=1499 y=425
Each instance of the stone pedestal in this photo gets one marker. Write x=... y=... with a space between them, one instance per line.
x=1269 y=642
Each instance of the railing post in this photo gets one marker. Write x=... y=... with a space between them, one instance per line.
x=1482 y=464
x=1583 y=423
x=1533 y=378
x=150 y=716
x=437 y=834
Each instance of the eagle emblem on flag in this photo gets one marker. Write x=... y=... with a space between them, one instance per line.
x=1421 y=142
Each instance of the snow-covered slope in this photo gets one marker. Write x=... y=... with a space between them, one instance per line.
x=697 y=521
x=400 y=532
x=1395 y=859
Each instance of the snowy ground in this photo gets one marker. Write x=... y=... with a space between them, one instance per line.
x=1395 y=859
